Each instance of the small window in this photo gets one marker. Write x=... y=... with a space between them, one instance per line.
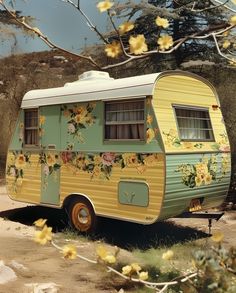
x=31 y=127
x=194 y=124
x=124 y=120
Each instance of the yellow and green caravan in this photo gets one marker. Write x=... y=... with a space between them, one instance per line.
x=139 y=149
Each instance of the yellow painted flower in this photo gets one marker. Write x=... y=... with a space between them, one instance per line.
x=233 y=20
x=168 y=255
x=113 y=50
x=163 y=22
x=110 y=259
x=136 y=267
x=40 y=223
x=188 y=145
x=149 y=119
x=42 y=119
x=50 y=160
x=138 y=44
x=97 y=160
x=21 y=125
x=43 y=236
x=130 y=159
x=141 y=169
x=104 y=5
x=226 y=44
x=96 y=171
x=20 y=161
x=126 y=27
x=69 y=251
x=150 y=134
x=151 y=160
x=143 y=276
x=208 y=179
x=201 y=169
x=126 y=270
x=198 y=180
x=165 y=42
x=217 y=236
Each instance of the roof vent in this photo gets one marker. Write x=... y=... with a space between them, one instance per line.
x=93 y=74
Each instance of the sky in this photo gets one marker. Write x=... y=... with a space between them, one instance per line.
x=60 y=22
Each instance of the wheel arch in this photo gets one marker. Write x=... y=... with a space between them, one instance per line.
x=73 y=196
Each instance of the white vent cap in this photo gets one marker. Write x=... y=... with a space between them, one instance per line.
x=93 y=74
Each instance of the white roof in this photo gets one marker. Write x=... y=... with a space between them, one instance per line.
x=94 y=89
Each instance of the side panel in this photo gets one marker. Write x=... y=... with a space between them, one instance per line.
x=195 y=176
x=184 y=90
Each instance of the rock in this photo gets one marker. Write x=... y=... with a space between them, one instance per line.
x=6 y=274
x=43 y=287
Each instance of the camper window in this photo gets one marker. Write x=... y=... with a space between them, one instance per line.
x=31 y=127
x=124 y=120
x=194 y=124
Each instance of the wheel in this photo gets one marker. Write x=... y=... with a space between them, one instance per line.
x=81 y=215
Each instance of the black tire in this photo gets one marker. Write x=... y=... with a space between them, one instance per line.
x=81 y=215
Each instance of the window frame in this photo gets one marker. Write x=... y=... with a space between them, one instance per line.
x=196 y=108
x=122 y=100
x=31 y=128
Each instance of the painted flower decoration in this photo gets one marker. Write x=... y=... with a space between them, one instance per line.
x=20 y=161
x=162 y=22
x=126 y=27
x=104 y=5
x=113 y=50
x=43 y=236
x=40 y=223
x=136 y=267
x=150 y=135
x=69 y=251
x=217 y=237
x=137 y=44
x=42 y=120
x=165 y=42
x=168 y=255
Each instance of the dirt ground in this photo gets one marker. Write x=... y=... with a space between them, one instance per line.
x=37 y=265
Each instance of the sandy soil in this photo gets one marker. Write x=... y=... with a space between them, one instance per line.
x=33 y=263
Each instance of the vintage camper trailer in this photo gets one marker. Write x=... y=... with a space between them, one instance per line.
x=140 y=149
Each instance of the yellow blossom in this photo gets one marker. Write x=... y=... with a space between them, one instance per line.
x=149 y=119
x=113 y=50
x=143 y=276
x=136 y=267
x=20 y=161
x=101 y=251
x=138 y=44
x=163 y=22
x=217 y=236
x=198 y=180
x=43 y=236
x=208 y=179
x=126 y=270
x=110 y=259
x=104 y=5
x=97 y=160
x=69 y=251
x=130 y=159
x=165 y=42
x=233 y=20
x=168 y=255
x=151 y=160
x=40 y=223
x=226 y=44
x=150 y=134
x=126 y=27
x=21 y=125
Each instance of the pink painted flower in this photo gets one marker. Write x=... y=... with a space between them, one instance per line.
x=66 y=157
x=108 y=159
x=46 y=170
x=224 y=148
